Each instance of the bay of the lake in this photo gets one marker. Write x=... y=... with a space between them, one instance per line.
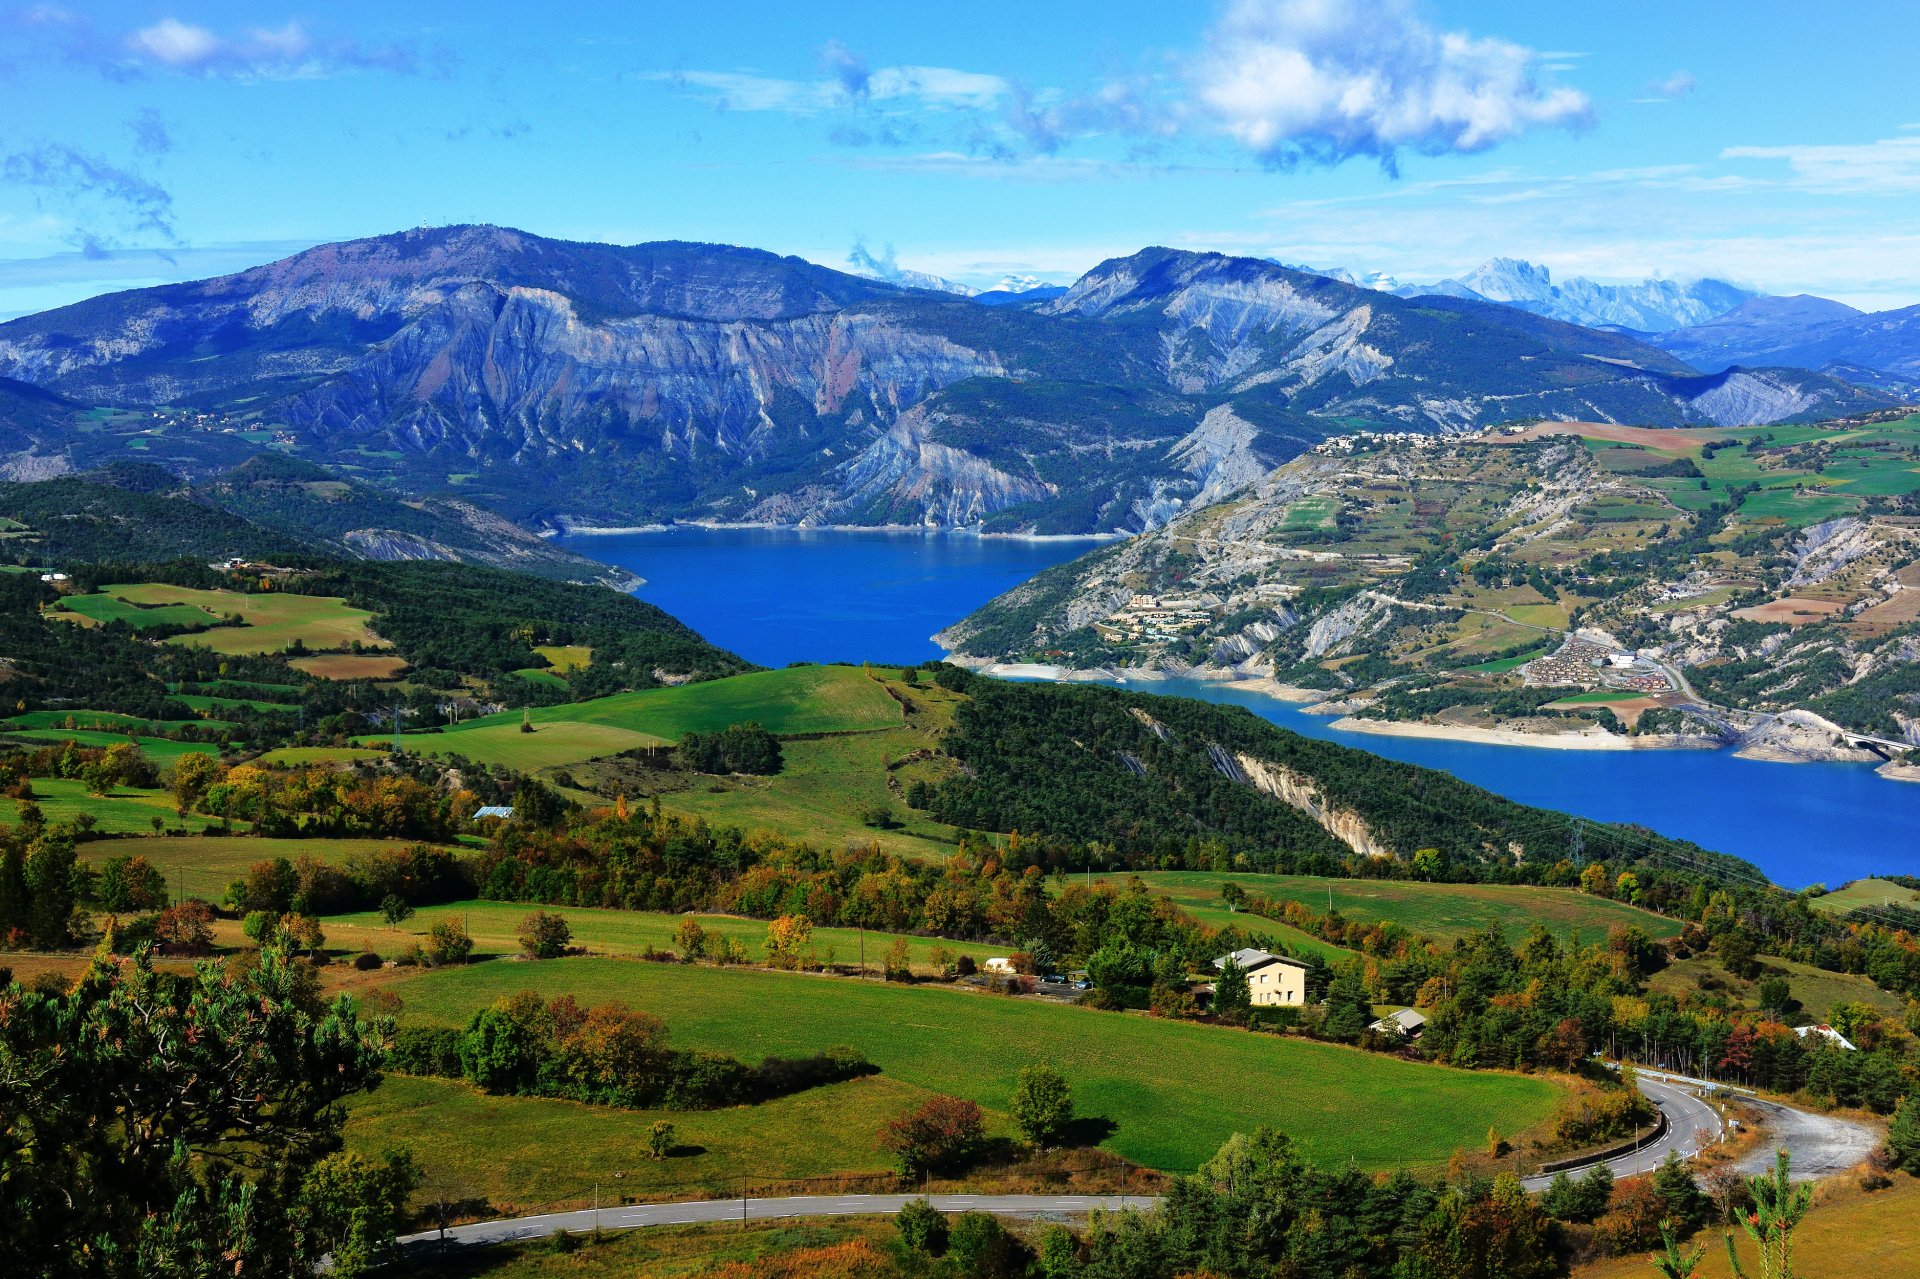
x=776 y=596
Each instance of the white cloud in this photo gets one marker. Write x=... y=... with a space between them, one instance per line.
x=851 y=85
x=1889 y=166
x=1322 y=81
x=1674 y=87
x=171 y=46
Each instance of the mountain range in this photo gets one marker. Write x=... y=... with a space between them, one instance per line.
x=567 y=385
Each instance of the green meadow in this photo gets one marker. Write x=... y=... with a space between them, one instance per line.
x=1441 y=911
x=1175 y=1090
x=800 y=699
x=495 y=929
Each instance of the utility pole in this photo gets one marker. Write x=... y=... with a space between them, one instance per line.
x=596 y=1207
x=743 y=1203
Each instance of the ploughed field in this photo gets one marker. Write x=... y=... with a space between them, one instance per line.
x=1174 y=1090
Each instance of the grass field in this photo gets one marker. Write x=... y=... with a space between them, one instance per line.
x=160 y=750
x=1175 y=1090
x=102 y=720
x=565 y=657
x=820 y=794
x=494 y=927
x=214 y=705
x=522 y=1154
x=109 y=607
x=1442 y=911
x=799 y=699
x=1816 y=989
x=203 y=865
x=273 y=621
x=294 y=755
x=124 y=812
x=1867 y=892
x=1201 y=899
x=1505 y=664
x=1846 y=1233
x=350 y=666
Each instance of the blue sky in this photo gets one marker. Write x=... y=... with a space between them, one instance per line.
x=1772 y=143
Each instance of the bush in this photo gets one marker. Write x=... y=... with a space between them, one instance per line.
x=940 y=1134
x=544 y=935
x=427 y=1050
x=982 y=1248
x=366 y=961
x=922 y=1227
x=448 y=943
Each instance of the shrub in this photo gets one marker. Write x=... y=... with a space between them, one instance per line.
x=366 y=961
x=427 y=1050
x=941 y=1133
x=544 y=935
x=448 y=943
x=922 y=1227
x=982 y=1248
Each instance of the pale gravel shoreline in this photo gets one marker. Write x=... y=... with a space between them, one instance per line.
x=597 y=530
x=1592 y=740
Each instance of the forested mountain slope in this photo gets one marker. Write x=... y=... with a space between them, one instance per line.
x=568 y=384
x=268 y=506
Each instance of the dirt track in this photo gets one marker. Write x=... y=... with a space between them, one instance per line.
x=1821 y=1145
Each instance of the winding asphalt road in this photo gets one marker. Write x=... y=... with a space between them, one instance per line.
x=1820 y=1145
x=1692 y=1125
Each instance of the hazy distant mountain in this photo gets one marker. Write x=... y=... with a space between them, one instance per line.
x=568 y=384
x=1018 y=290
x=1880 y=348
x=1651 y=306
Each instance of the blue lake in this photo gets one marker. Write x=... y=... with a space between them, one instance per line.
x=778 y=596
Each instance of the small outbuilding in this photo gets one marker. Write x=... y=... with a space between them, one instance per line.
x=1407 y=1024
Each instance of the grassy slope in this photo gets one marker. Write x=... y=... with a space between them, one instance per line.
x=494 y=927
x=1176 y=1090
x=802 y=699
x=204 y=865
x=526 y=1153
x=820 y=794
x=272 y=621
x=1816 y=989
x=1852 y=1234
x=1443 y=911
x=160 y=750
x=125 y=811
x=1866 y=892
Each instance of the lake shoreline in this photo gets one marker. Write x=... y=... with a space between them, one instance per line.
x=569 y=529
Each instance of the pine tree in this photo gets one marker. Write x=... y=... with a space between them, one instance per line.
x=1903 y=1135
x=1231 y=994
